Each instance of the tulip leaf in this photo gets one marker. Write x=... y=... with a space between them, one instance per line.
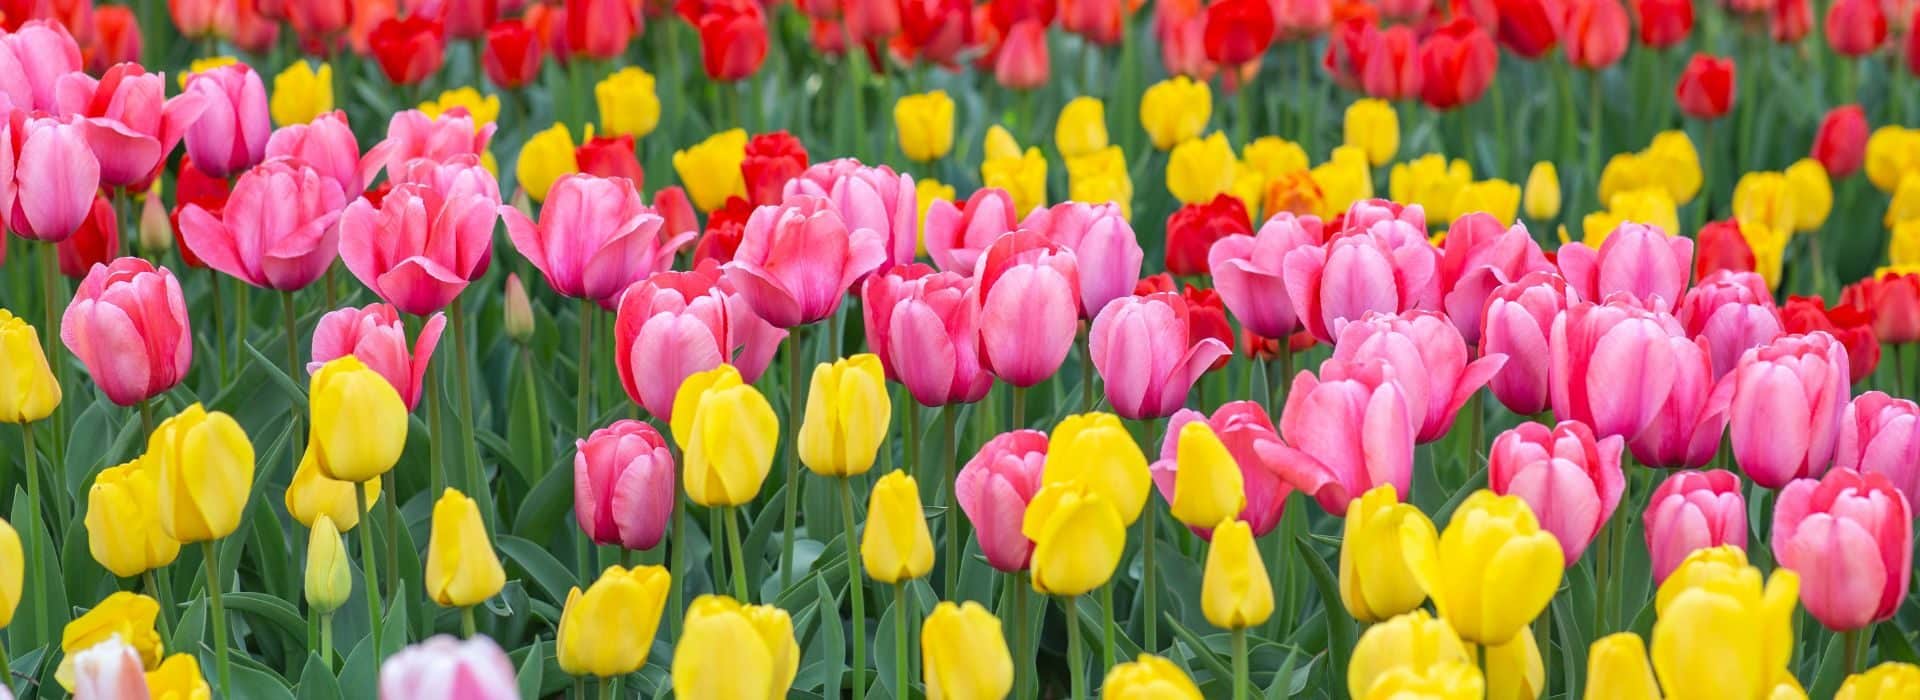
x=1199 y=650
x=393 y=628
x=51 y=581
x=1893 y=643
x=546 y=505
x=531 y=668
x=360 y=675
x=1340 y=627
x=885 y=658
x=760 y=535
x=85 y=578
x=547 y=571
x=317 y=681
x=191 y=629
x=279 y=612
x=1832 y=668
x=1572 y=657
x=252 y=683
x=1473 y=483
x=830 y=645
x=278 y=375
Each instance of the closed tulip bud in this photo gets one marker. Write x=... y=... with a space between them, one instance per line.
x=127 y=616
x=1208 y=486
x=1693 y=510
x=925 y=125
x=1375 y=583
x=179 y=678
x=608 y=630
x=1719 y=632
x=1617 y=669
x=519 y=311
x=301 y=93
x=628 y=105
x=32 y=394
x=847 y=415
x=1235 y=593
x=1514 y=670
x=1414 y=642
x=727 y=432
x=1078 y=538
x=13 y=570
x=155 y=232
x=1201 y=169
x=1081 y=128
x=1175 y=111
x=205 y=464
x=444 y=668
x=1148 y=678
x=895 y=544
x=1888 y=681
x=1492 y=570
x=1809 y=194
x=329 y=579
x=963 y=654
x=1095 y=450
x=462 y=569
x=123 y=520
x=359 y=421
x=623 y=487
x=710 y=170
x=1374 y=127
x=728 y=650
x=546 y=157
x=1541 y=198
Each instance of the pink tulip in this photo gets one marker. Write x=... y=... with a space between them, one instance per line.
x=32 y=61
x=1686 y=431
x=128 y=325
x=1243 y=426
x=798 y=259
x=1146 y=356
x=993 y=490
x=1361 y=216
x=444 y=668
x=48 y=176
x=1637 y=259
x=1518 y=322
x=1784 y=402
x=1250 y=272
x=1479 y=256
x=1692 y=511
x=110 y=670
x=1029 y=291
x=674 y=324
x=1613 y=365
x=431 y=235
x=128 y=120
x=1345 y=432
x=956 y=236
x=327 y=145
x=1386 y=266
x=231 y=133
x=1103 y=245
x=1570 y=480
x=595 y=238
x=412 y=134
x=874 y=198
x=623 y=485
x=1850 y=537
x=1733 y=312
x=1429 y=358
x=276 y=231
x=377 y=337
x=925 y=326
x=1881 y=434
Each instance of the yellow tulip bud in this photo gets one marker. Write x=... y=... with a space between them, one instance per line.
x=32 y=393
x=1101 y=177
x=205 y=465
x=1889 y=681
x=1024 y=178
x=1769 y=247
x=728 y=651
x=312 y=495
x=1893 y=151
x=1175 y=110
x=124 y=533
x=13 y=571
x=462 y=569
x=1078 y=538
x=1081 y=128
x=1235 y=592
x=628 y=104
x=1373 y=126
x=1674 y=165
x=925 y=124
x=155 y=233
x=1148 y=678
x=1542 y=195
x=1448 y=681
x=1344 y=179
x=201 y=65
x=999 y=143
x=728 y=433
x=1906 y=201
x=518 y=310
x=1497 y=198
x=1809 y=194
x=895 y=544
x=359 y=422
x=482 y=109
x=1200 y=169
x=1514 y=670
x=1762 y=197
x=1719 y=632
x=130 y=616
x=1207 y=485
x=1094 y=450
x=710 y=170
x=608 y=631
x=1274 y=157
x=178 y=678
x=1430 y=181
x=963 y=654
x=301 y=93
x=847 y=416
x=1491 y=572
x=546 y=157
x=1413 y=642
x=1375 y=583
x=1903 y=247
x=1617 y=669
x=329 y=580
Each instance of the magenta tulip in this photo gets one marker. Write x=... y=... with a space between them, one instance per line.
x=128 y=325
x=231 y=133
x=1429 y=359
x=1103 y=245
x=1637 y=259
x=1613 y=365
x=276 y=231
x=1146 y=355
x=674 y=324
x=957 y=236
x=623 y=487
x=1388 y=266
x=1686 y=432
x=1249 y=272
x=1733 y=312
x=1479 y=255
x=1029 y=291
x=1518 y=322
x=1691 y=511
x=377 y=337
x=993 y=490
x=1850 y=537
x=431 y=235
x=444 y=668
x=1881 y=434
x=797 y=260
x=327 y=145
x=412 y=134
x=595 y=238
x=1243 y=426
x=1570 y=480
x=1784 y=401
x=925 y=326
x=48 y=177
x=128 y=120
x=874 y=198
x=33 y=59
x=1346 y=431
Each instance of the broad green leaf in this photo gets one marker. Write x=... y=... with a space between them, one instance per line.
x=317 y=681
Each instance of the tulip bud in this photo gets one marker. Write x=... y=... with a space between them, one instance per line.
x=1375 y=583
x=623 y=487
x=123 y=520
x=1235 y=593
x=1541 y=198
x=727 y=432
x=32 y=394
x=847 y=415
x=205 y=465
x=1208 y=486
x=710 y=170
x=178 y=677
x=13 y=569
x=329 y=580
x=963 y=653
x=1374 y=127
x=895 y=544
x=1175 y=110
x=1888 y=681
x=462 y=569
x=729 y=650
x=519 y=311
x=546 y=157
x=1413 y=642
x=925 y=125
x=301 y=93
x=1094 y=450
x=1081 y=128
x=155 y=230
x=127 y=616
x=608 y=631
x=628 y=104
x=1078 y=538
x=359 y=422
x=1514 y=670
x=1148 y=678
x=1617 y=668
x=1491 y=571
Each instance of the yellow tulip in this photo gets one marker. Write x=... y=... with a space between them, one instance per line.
x=1769 y=247
x=1200 y=169
x=1762 y=197
x=1207 y=484
x=123 y=520
x=1649 y=205
x=710 y=170
x=482 y=109
x=847 y=416
x=329 y=580
x=1903 y=247
x=1514 y=670
x=1625 y=171
x=926 y=191
x=727 y=432
x=963 y=654
x=548 y=156
x=359 y=422
x=1175 y=111
x=462 y=569
x=1094 y=450
x=627 y=102
x=925 y=125
x=1375 y=583
x=301 y=93
x=312 y=495
x=205 y=467
x=1413 y=642
x=1024 y=177
x=1491 y=571
x=1373 y=126
x=31 y=393
x=1617 y=669
x=729 y=651
x=13 y=572
x=1498 y=198
x=130 y=616
x=201 y=65
x=999 y=143
x=178 y=678
x=1274 y=157
x=1450 y=681
x=1430 y=181
x=1100 y=178
x=1148 y=678
x=1890 y=680
x=1906 y=202
x=1719 y=632
x=1893 y=152
x=1542 y=195
x=608 y=630
x=1078 y=538
x=1344 y=179
x=1081 y=128
x=895 y=544
x=1296 y=193
x=1809 y=194
x=1675 y=165
x=1235 y=592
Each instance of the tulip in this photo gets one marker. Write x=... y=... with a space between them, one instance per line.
x=1686 y=430
x=1078 y=538
x=320 y=23
x=409 y=50
x=1020 y=62
x=1809 y=194
x=846 y=418
x=108 y=669
x=1346 y=431
x=1240 y=427
x=1392 y=70
x=610 y=157
x=301 y=93
x=711 y=169
x=1081 y=128
x=1175 y=110
x=1894 y=299
x=789 y=291
x=127 y=121
x=48 y=187
x=733 y=39
x=600 y=29
x=1375 y=583
x=1848 y=322
x=1570 y=479
x=42 y=52
x=1238 y=31
x=1029 y=291
x=325 y=144
x=956 y=236
x=1480 y=255
x=428 y=237
x=963 y=653
x=1414 y=642
x=461 y=567
x=1617 y=667
x=1148 y=678
x=1514 y=671
x=925 y=124
x=359 y=421
x=276 y=231
x=1732 y=312
x=1890 y=679
x=776 y=158
x=413 y=134
x=729 y=650
x=33 y=393
x=994 y=489
x=116 y=40
x=676 y=323
x=1491 y=571
x=1149 y=379
x=935 y=30
x=895 y=544
x=377 y=337
x=328 y=579
x=1850 y=537
x=1789 y=21
x=1855 y=28
x=1372 y=125
x=204 y=464
x=544 y=159
x=1102 y=242
x=623 y=485
x=628 y=105
x=1592 y=341
x=1784 y=404
x=1322 y=281
x=1840 y=144
x=1594 y=33
x=1206 y=483
x=1428 y=357
x=313 y=495
x=726 y=431
x=1640 y=260
x=1250 y=275
x=1235 y=593
x=123 y=523
x=1692 y=511
x=1663 y=23
x=513 y=54
x=1201 y=169
x=603 y=219
x=870 y=198
x=1542 y=194
x=231 y=134
x=1458 y=63
x=444 y=668
x=1430 y=181
x=1518 y=322
x=1722 y=246
x=1095 y=450
x=126 y=618
x=1024 y=176
x=1192 y=230
x=1706 y=87
x=178 y=677
x=1881 y=434
x=1719 y=633
x=608 y=631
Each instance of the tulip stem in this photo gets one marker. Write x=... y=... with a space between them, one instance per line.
x=1106 y=624
x=1240 y=680
x=36 y=558
x=152 y=584
x=463 y=368
x=679 y=564
x=214 y=584
x=292 y=318
x=1148 y=528
x=582 y=407
x=607 y=688
x=1854 y=651
x=901 y=662
x=856 y=592
x=913 y=436
x=734 y=550
x=326 y=639
x=1076 y=654
x=1019 y=407
x=949 y=418
x=6 y=668
x=1597 y=110
x=796 y=347
x=367 y=564
x=468 y=628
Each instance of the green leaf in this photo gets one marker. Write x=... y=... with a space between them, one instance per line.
x=1199 y=649
x=252 y=683
x=279 y=612
x=52 y=581
x=1340 y=627
x=393 y=629
x=1832 y=669
x=546 y=506
x=1893 y=643
x=530 y=671
x=317 y=681
x=278 y=375
x=553 y=577
x=360 y=676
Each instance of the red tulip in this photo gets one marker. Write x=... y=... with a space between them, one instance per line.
x=464 y=19
x=1457 y=64
x=1238 y=31
x=1181 y=28
x=1913 y=49
x=1851 y=325
x=409 y=50
x=96 y=243
x=1706 y=88
x=733 y=39
x=1594 y=33
x=1530 y=28
x=1405 y=10
x=1193 y=229
x=773 y=159
x=194 y=18
x=252 y=31
x=1347 y=51
x=1295 y=20
x=1893 y=300
x=611 y=156
x=1841 y=142
x=319 y=23
x=1664 y=23
x=934 y=30
x=1789 y=21
x=1850 y=538
x=1392 y=68
x=671 y=203
x=870 y=22
x=116 y=38
x=1722 y=247
x=1003 y=14
x=725 y=226
x=602 y=28
x=128 y=325
x=1691 y=511
x=1020 y=61
x=1099 y=21
x=195 y=188
x=1207 y=314
x=513 y=54
x=1571 y=480
x=1856 y=27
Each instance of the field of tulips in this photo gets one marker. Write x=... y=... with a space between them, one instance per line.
x=964 y=349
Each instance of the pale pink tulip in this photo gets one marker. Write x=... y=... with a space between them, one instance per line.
x=1879 y=433
x=1570 y=480
x=377 y=337
x=327 y=145
x=48 y=177
x=412 y=134
x=1345 y=431
x=1784 y=403
x=431 y=235
x=1690 y=511
x=1103 y=245
x=1686 y=431
x=1478 y=256
x=1250 y=273
x=1637 y=259
x=128 y=120
x=110 y=670
x=231 y=133
x=674 y=324
x=1613 y=366
x=1243 y=426
x=1850 y=537
x=957 y=235
x=444 y=668
x=1429 y=359
x=797 y=260
x=595 y=238
x=1518 y=322
x=1733 y=312
x=1146 y=355
x=623 y=488
x=128 y=325
x=277 y=229
x=32 y=60
x=925 y=326
x=993 y=490
x=867 y=197
x=1029 y=291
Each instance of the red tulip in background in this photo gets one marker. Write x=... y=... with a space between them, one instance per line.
x=994 y=488
x=1783 y=413
x=116 y=38
x=610 y=156
x=725 y=226
x=1193 y=229
x=1722 y=247
x=1913 y=49
x=1391 y=70
x=1530 y=28
x=1348 y=47
x=957 y=235
x=1850 y=538
x=1789 y=21
x=671 y=204
x=733 y=39
x=934 y=30
x=870 y=22
x=1249 y=273
x=1855 y=27
x=1664 y=23
x=1457 y=63
x=1692 y=510
x=773 y=159
x=1893 y=301
x=1405 y=10
x=1021 y=61
x=96 y=243
x=1238 y=31
x=1706 y=87
x=1294 y=20
x=1181 y=28
x=1850 y=324
x=378 y=337
x=1003 y=14
x=195 y=188
x=602 y=29
x=1841 y=142
x=194 y=18
x=1881 y=434
x=128 y=325
x=1100 y=21
x=925 y=327
x=1594 y=33
x=513 y=54
x=1570 y=479
x=409 y=50
x=464 y=19
x=1518 y=322
x=319 y=23
x=1029 y=306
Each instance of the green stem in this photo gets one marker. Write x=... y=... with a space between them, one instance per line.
x=1568 y=126
x=1019 y=407
x=1021 y=673
x=146 y=419
x=715 y=558
x=52 y=290
x=390 y=484
x=1854 y=651
x=463 y=369
x=36 y=559
x=1596 y=110
x=1107 y=634
x=1076 y=655
x=219 y=326
x=606 y=688
x=1240 y=664
x=900 y=658
x=292 y=318
x=675 y=599
x=326 y=639
x=856 y=592
x=734 y=550
x=367 y=562
x=224 y=663
x=913 y=437
x=949 y=418
x=1243 y=118
x=796 y=348
x=6 y=668
x=582 y=414
x=1088 y=397
x=468 y=628
x=152 y=584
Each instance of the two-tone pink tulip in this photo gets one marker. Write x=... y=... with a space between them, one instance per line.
x=231 y=133
x=430 y=236
x=1850 y=537
x=623 y=490
x=594 y=239
x=1147 y=355
x=1429 y=359
x=1733 y=312
x=797 y=260
x=445 y=668
x=1613 y=365
x=1029 y=291
x=925 y=326
x=1346 y=431
x=957 y=235
x=1880 y=433
x=48 y=177
x=128 y=325
x=867 y=197
x=674 y=324
x=1571 y=480
x=376 y=336
x=1243 y=427
x=1518 y=322
x=276 y=231
x=1636 y=259
x=1380 y=262
x=128 y=120
x=1249 y=272
x=325 y=144
x=1693 y=510
x=1784 y=403
x=412 y=134
x=1686 y=431
x=33 y=58
x=993 y=490
x=1478 y=256
x=1103 y=244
